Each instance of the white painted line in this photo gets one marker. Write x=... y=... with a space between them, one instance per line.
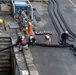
x=72 y=3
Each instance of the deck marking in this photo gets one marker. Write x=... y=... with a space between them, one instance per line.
x=72 y=3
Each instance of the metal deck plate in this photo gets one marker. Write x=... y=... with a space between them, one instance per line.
x=14 y=26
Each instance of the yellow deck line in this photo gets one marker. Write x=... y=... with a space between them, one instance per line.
x=72 y=3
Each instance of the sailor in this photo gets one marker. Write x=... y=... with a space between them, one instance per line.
x=32 y=39
x=24 y=44
x=18 y=42
x=64 y=37
x=47 y=39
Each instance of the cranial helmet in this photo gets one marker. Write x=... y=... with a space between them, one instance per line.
x=66 y=32
x=23 y=37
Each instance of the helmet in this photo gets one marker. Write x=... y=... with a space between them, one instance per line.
x=23 y=37
x=31 y=37
x=66 y=32
x=47 y=36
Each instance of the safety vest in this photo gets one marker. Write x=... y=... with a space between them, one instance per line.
x=23 y=42
x=47 y=36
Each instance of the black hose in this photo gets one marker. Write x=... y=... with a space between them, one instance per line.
x=7 y=47
x=53 y=45
x=56 y=14
x=53 y=20
x=40 y=44
x=72 y=39
x=65 y=24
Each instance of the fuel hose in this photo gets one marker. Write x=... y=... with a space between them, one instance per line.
x=50 y=11
x=7 y=47
x=52 y=45
x=72 y=39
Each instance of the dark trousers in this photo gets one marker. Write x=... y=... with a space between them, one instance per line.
x=32 y=41
x=63 y=41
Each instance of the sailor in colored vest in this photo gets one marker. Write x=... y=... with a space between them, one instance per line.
x=64 y=37
x=18 y=42
x=24 y=44
x=32 y=39
x=47 y=39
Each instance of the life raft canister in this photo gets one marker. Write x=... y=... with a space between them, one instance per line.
x=30 y=30
x=26 y=30
x=1 y=21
